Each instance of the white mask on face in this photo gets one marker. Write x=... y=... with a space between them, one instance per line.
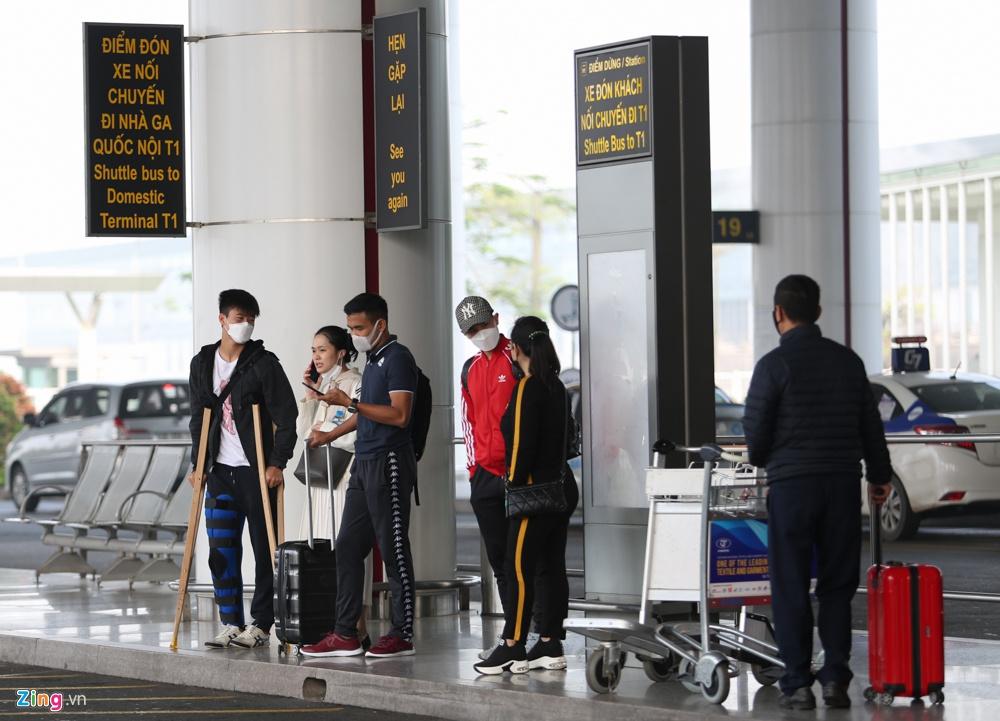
x=365 y=343
x=240 y=332
x=486 y=339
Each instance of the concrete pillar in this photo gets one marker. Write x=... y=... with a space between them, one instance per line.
x=798 y=163
x=415 y=278
x=277 y=160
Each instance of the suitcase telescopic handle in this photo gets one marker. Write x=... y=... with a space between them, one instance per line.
x=875 y=521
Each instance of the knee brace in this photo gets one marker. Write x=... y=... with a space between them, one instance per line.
x=224 y=525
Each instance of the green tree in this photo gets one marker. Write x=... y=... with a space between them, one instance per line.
x=14 y=403
x=502 y=214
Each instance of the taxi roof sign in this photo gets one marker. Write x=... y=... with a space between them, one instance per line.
x=918 y=339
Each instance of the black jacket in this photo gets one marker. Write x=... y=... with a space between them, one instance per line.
x=263 y=382
x=534 y=429
x=810 y=411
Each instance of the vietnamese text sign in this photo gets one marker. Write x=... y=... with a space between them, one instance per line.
x=400 y=127
x=613 y=104
x=134 y=114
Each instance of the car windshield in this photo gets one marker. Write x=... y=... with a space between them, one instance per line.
x=960 y=396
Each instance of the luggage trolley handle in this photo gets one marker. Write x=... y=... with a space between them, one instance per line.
x=875 y=522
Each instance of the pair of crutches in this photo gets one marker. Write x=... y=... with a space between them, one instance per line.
x=198 y=499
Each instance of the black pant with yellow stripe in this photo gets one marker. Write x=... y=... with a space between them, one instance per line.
x=536 y=564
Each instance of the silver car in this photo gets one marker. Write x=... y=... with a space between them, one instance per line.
x=47 y=451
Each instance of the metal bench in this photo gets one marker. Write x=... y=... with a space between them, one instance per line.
x=82 y=502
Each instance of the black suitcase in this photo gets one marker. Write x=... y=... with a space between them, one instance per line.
x=305 y=583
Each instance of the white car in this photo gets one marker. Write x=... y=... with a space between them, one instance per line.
x=938 y=479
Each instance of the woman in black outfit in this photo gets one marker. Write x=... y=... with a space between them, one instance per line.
x=535 y=430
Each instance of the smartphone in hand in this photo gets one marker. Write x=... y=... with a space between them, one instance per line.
x=317 y=391
x=313 y=373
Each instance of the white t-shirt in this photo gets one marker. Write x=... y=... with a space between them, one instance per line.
x=230 y=449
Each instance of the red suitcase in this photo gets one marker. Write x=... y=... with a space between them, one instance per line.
x=905 y=628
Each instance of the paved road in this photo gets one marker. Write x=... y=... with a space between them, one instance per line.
x=967 y=550
x=88 y=696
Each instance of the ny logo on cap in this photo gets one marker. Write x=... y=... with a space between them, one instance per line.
x=468 y=311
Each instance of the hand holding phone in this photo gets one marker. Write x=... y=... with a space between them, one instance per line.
x=313 y=373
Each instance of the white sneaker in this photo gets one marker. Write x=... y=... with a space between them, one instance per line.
x=225 y=637
x=252 y=637
x=485 y=653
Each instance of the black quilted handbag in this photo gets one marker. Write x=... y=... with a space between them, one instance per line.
x=540 y=498
x=536 y=499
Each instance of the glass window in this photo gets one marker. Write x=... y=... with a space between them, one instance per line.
x=155 y=401
x=960 y=396
x=53 y=412
x=95 y=402
x=40 y=377
x=76 y=402
x=888 y=406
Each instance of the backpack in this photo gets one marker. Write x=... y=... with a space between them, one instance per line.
x=420 y=416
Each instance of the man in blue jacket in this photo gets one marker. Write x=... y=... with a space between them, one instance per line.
x=810 y=420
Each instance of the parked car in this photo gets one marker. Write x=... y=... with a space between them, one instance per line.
x=933 y=479
x=728 y=416
x=47 y=451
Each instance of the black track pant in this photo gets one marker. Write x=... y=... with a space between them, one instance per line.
x=377 y=508
x=820 y=515
x=536 y=566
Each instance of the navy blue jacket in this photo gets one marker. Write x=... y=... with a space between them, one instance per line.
x=810 y=411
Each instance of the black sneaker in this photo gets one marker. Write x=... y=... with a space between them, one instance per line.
x=801 y=699
x=504 y=658
x=835 y=695
x=547 y=655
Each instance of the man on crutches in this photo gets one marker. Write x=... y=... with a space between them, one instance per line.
x=232 y=377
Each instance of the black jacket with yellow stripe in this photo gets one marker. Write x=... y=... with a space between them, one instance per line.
x=534 y=428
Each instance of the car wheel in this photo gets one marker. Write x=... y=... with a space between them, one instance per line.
x=897 y=519
x=19 y=489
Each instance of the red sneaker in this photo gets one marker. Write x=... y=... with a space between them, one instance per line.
x=389 y=647
x=333 y=644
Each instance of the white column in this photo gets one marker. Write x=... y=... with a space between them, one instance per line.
x=276 y=166
x=797 y=161
x=988 y=340
x=925 y=221
x=911 y=279
x=945 y=278
x=963 y=282
x=415 y=278
x=893 y=270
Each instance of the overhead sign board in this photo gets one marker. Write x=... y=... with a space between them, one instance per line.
x=735 y=226
x=613 y=110
x=134 y=115
x=400 y=120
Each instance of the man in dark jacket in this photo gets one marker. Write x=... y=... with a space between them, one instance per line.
x=242 y=374
x=810 y=420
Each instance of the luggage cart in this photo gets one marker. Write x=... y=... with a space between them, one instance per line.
x=684 y=505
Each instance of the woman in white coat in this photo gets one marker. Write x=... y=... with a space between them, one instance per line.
x=332 y=352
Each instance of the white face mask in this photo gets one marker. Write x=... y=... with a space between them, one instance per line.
x=240 y=332
x=365 y=343
x=486 y=339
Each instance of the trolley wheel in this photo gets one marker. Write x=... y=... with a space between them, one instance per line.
x=766 y=674
x=718 y=690
x=886 y=698
x=683 y=671
x=660 y=671
x=870 y=694
x=936 y=697
x=598 y=680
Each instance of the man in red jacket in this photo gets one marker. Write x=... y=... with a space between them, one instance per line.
x=488 y=380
